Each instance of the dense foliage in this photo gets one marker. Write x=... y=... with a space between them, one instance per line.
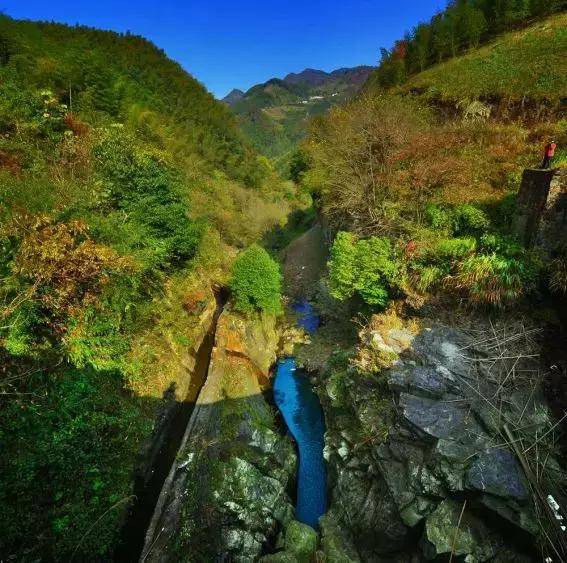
x=122 y=185
x=365 y=267
x=256 y=282
x=463 y=25
x=458 y=250
x=434 y=183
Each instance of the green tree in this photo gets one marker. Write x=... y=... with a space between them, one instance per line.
x=298 y=165
x=420 y=47
x=471 y=24
x=442 y=37
x=392 y=69
x=256 y=282
x=365 y=267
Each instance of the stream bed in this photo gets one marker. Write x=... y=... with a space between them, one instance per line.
x=302 y=412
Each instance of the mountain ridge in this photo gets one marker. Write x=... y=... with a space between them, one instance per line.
x=273 y=115
x=308 y=77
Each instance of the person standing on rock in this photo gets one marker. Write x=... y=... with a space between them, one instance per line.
x=548 y=155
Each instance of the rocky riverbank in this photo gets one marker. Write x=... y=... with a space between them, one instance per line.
x=419 y=445
x=229 y=492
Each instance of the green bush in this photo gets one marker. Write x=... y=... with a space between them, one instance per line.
x=468 y=219
x=428 y=276
x=24 y=330
x=256 y=282
x=447 y=250
x=438 y=217
x=458 y=220
x=367 y=267
x=493 y=279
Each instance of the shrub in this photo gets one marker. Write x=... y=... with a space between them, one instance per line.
x=366 y=267
x=507 y=246
x=452 y=249
x=493 y=279
x=256 y=282
x=438 y=217
x=504 y=211
x=428 y=276
x=463 y=219
x=468 y=219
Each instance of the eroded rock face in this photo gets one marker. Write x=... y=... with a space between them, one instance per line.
x=399 y=484
x=474 y=538
x=227 y=496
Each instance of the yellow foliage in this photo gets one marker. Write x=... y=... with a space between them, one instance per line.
x=65 y=268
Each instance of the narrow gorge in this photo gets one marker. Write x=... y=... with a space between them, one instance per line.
x=319 y=320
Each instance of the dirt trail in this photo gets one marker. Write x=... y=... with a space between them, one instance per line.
x=304 y=261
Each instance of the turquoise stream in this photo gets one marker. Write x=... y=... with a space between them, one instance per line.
x=303 y=415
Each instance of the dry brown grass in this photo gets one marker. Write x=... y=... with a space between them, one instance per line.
x=380 y=160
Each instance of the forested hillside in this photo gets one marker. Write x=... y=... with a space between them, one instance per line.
x=463 y=25
x=435 y=162
x=124 y=187
x=274 y=115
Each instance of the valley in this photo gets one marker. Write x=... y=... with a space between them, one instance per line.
x=274 y=116
x=322 y=320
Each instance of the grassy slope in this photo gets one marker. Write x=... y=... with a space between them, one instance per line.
x=528 y=63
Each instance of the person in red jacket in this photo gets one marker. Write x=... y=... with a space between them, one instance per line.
x=548 y=154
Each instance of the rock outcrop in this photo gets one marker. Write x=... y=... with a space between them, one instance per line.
x=299 y=545
x=404 y=477
x=541 y=217
x=227 y=495
x=187 y=380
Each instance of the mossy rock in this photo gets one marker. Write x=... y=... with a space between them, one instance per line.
x=280 y=557
x=334 y=542
x=473 y=539
x=301 y=540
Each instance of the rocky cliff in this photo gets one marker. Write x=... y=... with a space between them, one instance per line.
x=423 y=448
x=228 y=494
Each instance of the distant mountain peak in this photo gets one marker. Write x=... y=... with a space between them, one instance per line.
x=309 y=76
x=313 y=77
x=233 y=97
x=274 y=114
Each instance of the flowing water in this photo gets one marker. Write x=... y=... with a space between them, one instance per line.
x=303 y=415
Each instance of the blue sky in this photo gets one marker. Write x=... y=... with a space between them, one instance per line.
x=238 y=43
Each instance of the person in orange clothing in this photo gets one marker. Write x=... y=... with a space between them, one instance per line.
x=548 y=154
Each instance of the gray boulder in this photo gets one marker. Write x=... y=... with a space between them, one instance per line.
x=497 y=472
x=435 y=419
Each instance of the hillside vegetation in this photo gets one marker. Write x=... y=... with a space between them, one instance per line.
x=124 y=187
x=421 y=194
x=274 y=115
x=529 y=64
x=462 y=26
